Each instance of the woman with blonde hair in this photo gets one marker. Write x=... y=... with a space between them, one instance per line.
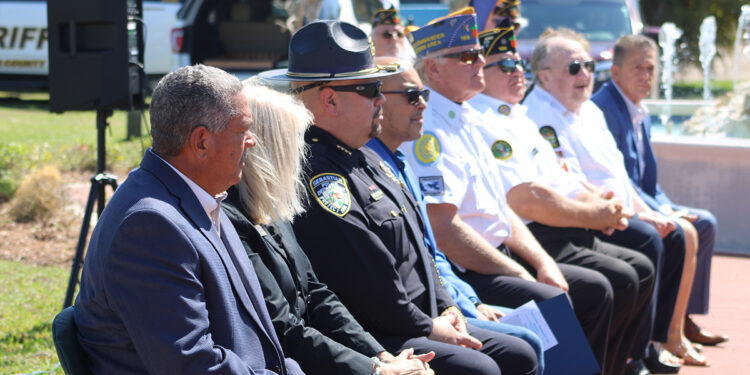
x=313 y=326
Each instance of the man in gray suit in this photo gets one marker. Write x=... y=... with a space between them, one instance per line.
x=166 y=287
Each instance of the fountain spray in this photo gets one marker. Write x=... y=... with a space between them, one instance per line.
x=742 y=23
x=668 y=35
x=707 y=45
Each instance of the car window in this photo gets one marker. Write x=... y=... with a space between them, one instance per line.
x=597 y=21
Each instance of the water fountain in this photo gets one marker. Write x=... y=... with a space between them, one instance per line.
x=668 y=35
x=742 y=23
x=707 y=46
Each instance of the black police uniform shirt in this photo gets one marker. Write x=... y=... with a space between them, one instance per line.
x=359 y=233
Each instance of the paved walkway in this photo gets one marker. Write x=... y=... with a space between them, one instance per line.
x=730 y=314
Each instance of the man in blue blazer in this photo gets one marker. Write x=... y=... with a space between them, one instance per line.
x=630 y=124
x=166 y=287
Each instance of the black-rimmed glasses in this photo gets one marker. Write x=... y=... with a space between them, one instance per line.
x=508 y=65
x=467 y=57
x=369 y=90
x=412 y=95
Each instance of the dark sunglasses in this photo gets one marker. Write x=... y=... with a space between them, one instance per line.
x=368 y=90
x=508 y=65
x=393 y=34
x=467 y=57
x=412 y=95
x=575 y=66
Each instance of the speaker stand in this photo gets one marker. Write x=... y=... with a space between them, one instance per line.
x=96 y=194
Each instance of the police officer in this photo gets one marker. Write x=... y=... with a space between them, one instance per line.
x=361 y=230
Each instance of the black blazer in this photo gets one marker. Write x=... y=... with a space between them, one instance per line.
x=313 y=326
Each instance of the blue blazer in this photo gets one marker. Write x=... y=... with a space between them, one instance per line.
x=162 y=293
x=620 y=124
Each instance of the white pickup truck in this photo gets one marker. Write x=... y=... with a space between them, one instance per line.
x=23 y=42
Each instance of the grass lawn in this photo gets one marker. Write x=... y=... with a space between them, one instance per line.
x=31 y=296
x=30 y=137
x=26 y=119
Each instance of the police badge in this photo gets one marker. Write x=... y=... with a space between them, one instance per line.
x=331 y=191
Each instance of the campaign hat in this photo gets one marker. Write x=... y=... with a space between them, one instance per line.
x=330 y=50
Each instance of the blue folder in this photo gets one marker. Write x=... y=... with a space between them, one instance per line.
x=572 y=355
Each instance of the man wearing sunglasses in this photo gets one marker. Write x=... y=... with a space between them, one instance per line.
x=576 y=128
x=543 y=193
x=465 y=201
x=360 y=230
x=388 y=35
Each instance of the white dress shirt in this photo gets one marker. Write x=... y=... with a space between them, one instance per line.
x=584 y=141
x=451 y=168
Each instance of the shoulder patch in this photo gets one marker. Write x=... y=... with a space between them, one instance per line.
x=427 y=148
x=501 y=150
x=432 y=185
x=549 y=133
x=332 y=192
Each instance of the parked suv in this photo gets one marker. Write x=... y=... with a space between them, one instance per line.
x=602 y=22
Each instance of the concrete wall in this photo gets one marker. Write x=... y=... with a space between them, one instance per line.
x=713 y=174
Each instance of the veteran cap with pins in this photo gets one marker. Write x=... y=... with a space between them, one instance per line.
x=498 y=40
x=386 y=17
x=330 y=51
x=456 y=29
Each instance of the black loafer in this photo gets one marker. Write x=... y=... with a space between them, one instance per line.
x=656 y=366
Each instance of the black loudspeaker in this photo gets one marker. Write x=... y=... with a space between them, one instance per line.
x=95 y=54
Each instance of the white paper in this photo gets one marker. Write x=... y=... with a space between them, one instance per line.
x=529 y=316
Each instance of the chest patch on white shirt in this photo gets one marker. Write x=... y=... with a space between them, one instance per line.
x=432 y=185
x=501 y=150
x=427 y=148
x=332 y=193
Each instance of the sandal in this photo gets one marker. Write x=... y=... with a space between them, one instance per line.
x=689 y=356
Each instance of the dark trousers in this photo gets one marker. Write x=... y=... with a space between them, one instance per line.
x=500 y=353
x=707 y=228
x=630 y=273
x=590 y=294
x=668 y=257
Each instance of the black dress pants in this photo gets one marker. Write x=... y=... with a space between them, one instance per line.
x=630 y=273
x=590 y=295
x=500 y=354
x=668 y=257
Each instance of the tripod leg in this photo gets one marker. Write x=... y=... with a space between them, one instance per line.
x=78 y=257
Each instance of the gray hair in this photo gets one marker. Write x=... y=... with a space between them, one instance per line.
x=271 y=186
x=189 y=97
x=542 y=49
x=628 y=43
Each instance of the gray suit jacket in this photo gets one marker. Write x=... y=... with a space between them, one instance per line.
x=162 y=293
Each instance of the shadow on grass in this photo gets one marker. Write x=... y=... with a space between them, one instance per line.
x=19 y=103
x=42 y=331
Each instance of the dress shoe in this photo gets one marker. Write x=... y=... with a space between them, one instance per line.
x=701 y=336
x=636 y=367
x=658 y=364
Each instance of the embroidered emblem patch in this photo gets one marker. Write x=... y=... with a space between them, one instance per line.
x=427 y=148
x=502 y=150
x=503 y=110
x=432 y=185
x=332 y=193
x=549 y=133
